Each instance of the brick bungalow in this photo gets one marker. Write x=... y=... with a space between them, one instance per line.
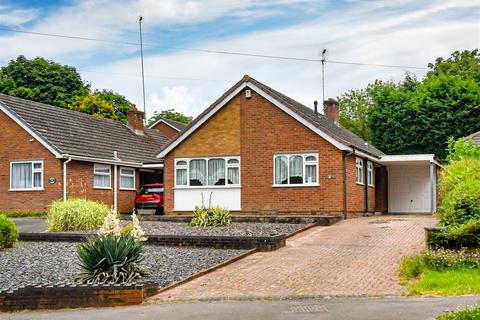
x=167 y=127
x=255 y=150
x=49 y=153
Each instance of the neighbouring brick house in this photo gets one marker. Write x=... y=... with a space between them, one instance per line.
x=255 y=150
x=167 y=127
x=49 y=153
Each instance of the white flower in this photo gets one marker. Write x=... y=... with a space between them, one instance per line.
x=137 y=232
x=111 y=225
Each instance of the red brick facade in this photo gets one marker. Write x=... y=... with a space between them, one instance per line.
x=266 y=130
x=18 y=145
x=165 y=129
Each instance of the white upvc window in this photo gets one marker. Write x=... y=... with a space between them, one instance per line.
x=26 y=175
x=102 y=176
x=127 y=178
x=295 y=170
x=359 y=170
x=207 y=172
x=370 y=174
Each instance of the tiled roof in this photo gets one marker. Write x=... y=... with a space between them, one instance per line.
x=79 y=134
x=475 y=137
x=338 y=133
x=179 y=125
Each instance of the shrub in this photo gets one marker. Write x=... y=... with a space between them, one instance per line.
x=462 y=149
x=210 y=217
x=469 y=313
x=76 y=214
x=465 y=235
x=461 y=204
x=110 y=259
x=8 y=232
x=439 y=260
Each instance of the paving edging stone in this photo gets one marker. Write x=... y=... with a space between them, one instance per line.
x=44 y=296
x=261 y=243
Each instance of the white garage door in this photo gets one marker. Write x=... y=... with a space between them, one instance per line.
x=409 y=189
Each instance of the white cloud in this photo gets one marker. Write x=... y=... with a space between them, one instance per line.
x=178 y=98
x=10 y=16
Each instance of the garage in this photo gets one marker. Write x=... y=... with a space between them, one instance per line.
x=412 y=183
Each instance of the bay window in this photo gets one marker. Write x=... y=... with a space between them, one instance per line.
x=359 y=170
x=26 y=175
x=102 y=176
x=295 y=169
x=127 y=179
x=207 y=172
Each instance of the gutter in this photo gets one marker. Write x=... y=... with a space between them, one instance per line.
x=345 y=156
x=65 y=178
x=104 y=161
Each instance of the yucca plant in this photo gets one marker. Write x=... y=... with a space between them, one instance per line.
x=210 y=217
x=110 y=259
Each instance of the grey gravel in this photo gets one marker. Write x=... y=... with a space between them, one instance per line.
x=32 y=263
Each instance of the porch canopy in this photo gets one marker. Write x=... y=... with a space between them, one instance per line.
x=412 y=183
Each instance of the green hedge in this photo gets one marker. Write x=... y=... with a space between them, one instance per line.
x=8 y=232
x=76 y=214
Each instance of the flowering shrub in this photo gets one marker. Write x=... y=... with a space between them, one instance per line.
x=439 y=260
x=111 y=227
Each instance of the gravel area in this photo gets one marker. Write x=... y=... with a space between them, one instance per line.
x=56 y=262
x=234 y=229
x=182 y=228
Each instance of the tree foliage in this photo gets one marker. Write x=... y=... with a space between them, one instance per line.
x=418 y=116
x=170 y=114
x=42 y=80
x=49 y=82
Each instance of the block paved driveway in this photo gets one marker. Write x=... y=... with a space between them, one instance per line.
x=355 y=257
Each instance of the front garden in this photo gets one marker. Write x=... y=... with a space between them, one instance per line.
x=451 y=264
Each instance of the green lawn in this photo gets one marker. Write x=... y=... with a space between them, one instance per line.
x=451 y=282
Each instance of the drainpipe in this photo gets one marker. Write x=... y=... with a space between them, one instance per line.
x=65 y=178
x=345 y=156
x=115 y=195
x=365 y=171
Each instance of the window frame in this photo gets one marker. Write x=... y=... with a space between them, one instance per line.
x=359 y=165
x=41 y=171
x=122 y=175
x=370 y=174
x=187 y=167
x=109 y=174
x=304 y=169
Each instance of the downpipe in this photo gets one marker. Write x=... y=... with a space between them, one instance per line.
x=345 y=156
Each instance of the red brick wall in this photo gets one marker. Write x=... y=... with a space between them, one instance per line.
x=166 y=130
x=80 y=184
x=18 y=144
x=267 y=130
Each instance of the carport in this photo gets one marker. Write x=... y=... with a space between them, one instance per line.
x=412 y=183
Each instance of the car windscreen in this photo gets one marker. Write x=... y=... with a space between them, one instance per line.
x=150 y=190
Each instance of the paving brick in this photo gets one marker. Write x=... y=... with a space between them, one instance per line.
x=354 y=257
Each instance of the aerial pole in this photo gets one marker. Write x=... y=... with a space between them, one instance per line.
x=143 y=74
x=324 y=55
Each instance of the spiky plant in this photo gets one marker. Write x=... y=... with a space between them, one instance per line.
x=110 y=259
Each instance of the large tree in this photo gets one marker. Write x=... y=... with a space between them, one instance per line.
x=42 y=80
x=49 y=82
x=418 y=116
x=169 y=114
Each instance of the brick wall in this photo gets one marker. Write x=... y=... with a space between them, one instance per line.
x=80 y=184
x=17 y=144
x=265 y=130
x=166 y=130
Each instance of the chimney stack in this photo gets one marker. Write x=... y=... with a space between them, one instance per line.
x=315 y=106
x=135 y=120
x=331 y=110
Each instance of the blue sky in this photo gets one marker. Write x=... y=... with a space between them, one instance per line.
x=407 y=32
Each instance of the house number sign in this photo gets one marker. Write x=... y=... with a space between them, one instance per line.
x=52 y=180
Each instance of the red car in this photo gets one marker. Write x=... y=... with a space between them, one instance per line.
x=150 y=197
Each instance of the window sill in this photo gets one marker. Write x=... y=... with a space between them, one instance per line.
x=33 y=189
x=127 y=189
x=205 y=187
x=360 y=183
x=295 y=185
x=102 y=188
x=371 y=185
